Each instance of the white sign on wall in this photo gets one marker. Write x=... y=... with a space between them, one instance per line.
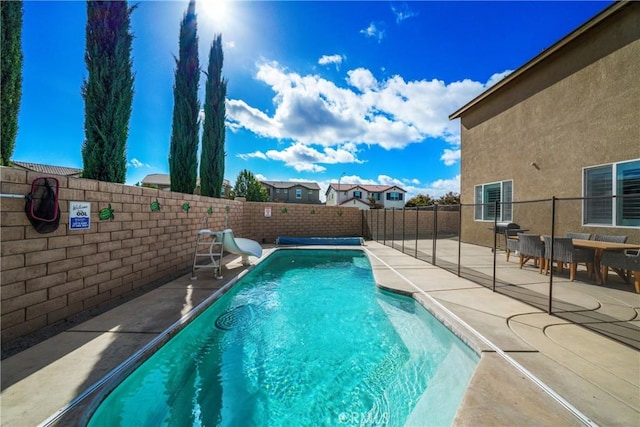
x=267 y=212
x=79 y=215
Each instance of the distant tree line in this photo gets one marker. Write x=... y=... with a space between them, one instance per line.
x=450 y=198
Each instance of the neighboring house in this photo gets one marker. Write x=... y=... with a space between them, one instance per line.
x=292 y=192
x=359 y=195
x=48 y=169
x=162 y=181
x=565 y=124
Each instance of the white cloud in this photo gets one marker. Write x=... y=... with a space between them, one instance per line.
x=495 y=78
x=310 y=111
x=375 y=31
x=434 y=189
x=306 y=158
x=362 y=79
x=135 y=163
x=331 y=59
x=403 y=12
x=255 y=154
x=450 y=157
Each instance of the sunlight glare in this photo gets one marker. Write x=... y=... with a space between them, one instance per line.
x=218 y=13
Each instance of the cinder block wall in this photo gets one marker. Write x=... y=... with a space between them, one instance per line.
x=288 y=219
x=46 y=278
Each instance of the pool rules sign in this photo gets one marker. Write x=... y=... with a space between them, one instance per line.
x=79 y=215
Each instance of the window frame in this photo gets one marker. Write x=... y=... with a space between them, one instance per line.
x=615 y=205
x=298 y=193
x=505 y=206
x=399 y=198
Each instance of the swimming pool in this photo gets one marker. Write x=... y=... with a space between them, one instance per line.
x=306 y=338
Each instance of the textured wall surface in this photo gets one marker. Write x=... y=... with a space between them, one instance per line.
x=46 y=278
x=576 y=108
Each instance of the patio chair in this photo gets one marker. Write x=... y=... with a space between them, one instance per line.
x=622 y=263
x=606 y=238
x=531 y=247
x=563 y=251
x=511 y=244
x=582 y=236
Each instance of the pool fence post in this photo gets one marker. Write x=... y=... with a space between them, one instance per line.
x=384 y=228
x=553 y=234
x=434 y=235
x=403 y=214
x=393 y=227
x=377 y=225
x=417 y=229
x=495 y=243
x=460 y=236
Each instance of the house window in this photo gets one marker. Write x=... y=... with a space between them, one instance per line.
x=357 y=194
x=618 y=179
x=486 y=196
x=278 y=190
x=310 y=192
x=375 y=196
x=223 y=191
x=298 y=193
x=394 y=195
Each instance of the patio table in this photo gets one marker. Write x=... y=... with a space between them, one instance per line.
x=599 y=247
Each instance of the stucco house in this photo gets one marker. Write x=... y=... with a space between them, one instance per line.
x=359 y=195
x=48 y=169
x=292 y=192
x=565 y=124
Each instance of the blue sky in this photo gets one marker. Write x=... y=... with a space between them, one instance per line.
x=318 y=91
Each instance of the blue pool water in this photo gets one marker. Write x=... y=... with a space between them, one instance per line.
x=304 y=339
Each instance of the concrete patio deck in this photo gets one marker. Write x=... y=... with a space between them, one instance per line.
x=535 y=369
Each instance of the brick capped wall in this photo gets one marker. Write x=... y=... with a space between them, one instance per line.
x=46 y=278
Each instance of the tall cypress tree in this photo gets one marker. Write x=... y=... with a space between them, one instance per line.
x=183 y=154
x=11 y=68
x=108 y=90
x=213 y=136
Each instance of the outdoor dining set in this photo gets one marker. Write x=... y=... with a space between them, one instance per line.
x=598 y=252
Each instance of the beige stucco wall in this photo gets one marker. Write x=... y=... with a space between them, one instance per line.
x=46 y=278
x=579 y=107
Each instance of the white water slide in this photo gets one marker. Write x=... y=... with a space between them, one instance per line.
x=241 y=246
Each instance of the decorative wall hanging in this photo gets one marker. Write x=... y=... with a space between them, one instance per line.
x=155 y=206
x=186 y=207
x=106 y=213
x=42 y=205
